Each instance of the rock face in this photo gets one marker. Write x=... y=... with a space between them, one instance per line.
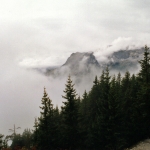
x=81 y=64
x=78 y=58
x=78 y=64
x=124 y=60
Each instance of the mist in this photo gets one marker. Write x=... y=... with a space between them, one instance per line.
x=44 y=34
x=22 y=86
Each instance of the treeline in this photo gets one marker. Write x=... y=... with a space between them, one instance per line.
x=113 y=115
x=22 y=141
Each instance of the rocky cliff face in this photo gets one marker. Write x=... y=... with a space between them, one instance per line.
x=78 y=64
x=81 y=64
x=124 y=60
x=78 y=58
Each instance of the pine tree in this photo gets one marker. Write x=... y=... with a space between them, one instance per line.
x=133 y=129
x=84 y=104
x=145 y=66
x=35 y=132
x=44 y=141
x=115 y=137
x=144 y=94
x=26 y=138
x=93 y=100
x=70 y=116
x=56 y=128
x=126 y=106
x=103 y=110
x=1 y=141
x=84 y=121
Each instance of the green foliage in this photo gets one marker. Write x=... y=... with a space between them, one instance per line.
x=22 y=140
x=84 y=121
x=17 y=141
x=1 y=141
x=144 y=94
x=27 y=138
x=43 y=134
x=113 y=115
x=70 y=116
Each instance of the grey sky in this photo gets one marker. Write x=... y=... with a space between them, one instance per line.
x=35 y=33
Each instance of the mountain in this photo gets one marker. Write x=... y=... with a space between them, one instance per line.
x=125 y=60
x=83 y=64
x=76 y=58
x=77 y=64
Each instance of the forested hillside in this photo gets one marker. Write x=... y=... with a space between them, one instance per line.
x=113 y=115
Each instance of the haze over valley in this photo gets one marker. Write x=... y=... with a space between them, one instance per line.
x=42 y=42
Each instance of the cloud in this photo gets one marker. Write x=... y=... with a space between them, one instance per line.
x=21 y=93
x=45 y=33
x=52 y=61
x=121 y=43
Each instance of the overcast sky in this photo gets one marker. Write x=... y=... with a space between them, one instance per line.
x=39 y=33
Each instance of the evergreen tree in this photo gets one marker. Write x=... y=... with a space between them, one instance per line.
x=134 y=125
x=126 y=106
x=4 y=144
x=56 y=128
x=103 y=110
x=1 y=141
x=27 y=138
x=84 y=121
x=35 y=132
x=144 y=73
x=93 y=100
x=70 y=116
x=17 y=141
x=44 y=140
x=113 y=115
x=144 y=94
x=78 y=101
x=115 y=137
x=94 y=96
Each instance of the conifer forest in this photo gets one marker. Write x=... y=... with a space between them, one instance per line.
x=113 y=115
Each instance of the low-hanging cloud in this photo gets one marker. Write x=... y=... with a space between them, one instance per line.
x=38 y=34
x=121 y=43
x=21 y=94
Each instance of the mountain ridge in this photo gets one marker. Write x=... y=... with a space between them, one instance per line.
x=86 y=63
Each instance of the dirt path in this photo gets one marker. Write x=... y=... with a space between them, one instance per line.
x=144 y=145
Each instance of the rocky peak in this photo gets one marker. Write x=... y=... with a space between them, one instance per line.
x=80 y=58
